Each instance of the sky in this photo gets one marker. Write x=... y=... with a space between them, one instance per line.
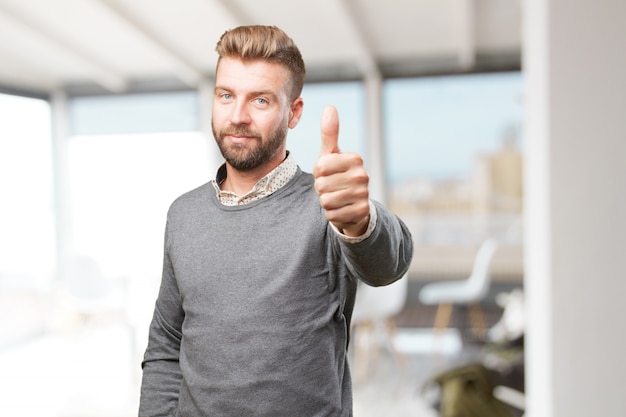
x=435 y=126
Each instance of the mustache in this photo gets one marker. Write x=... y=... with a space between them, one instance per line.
x=239 y=130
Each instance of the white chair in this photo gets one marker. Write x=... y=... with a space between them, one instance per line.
x=373 y=320
x=465 y=292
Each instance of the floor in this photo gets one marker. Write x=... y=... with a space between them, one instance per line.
x=398 y=384
x=91 y=371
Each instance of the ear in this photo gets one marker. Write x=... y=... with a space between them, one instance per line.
x=295 y=112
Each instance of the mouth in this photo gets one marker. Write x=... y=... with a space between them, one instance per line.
x=238 y=140
x=238 y=135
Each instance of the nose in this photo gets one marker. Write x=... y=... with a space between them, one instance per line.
x=240 y=113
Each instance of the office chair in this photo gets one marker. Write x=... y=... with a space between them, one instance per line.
x=372 y=320
x=470 y=291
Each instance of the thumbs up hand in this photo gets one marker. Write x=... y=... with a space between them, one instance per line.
x=341 y=181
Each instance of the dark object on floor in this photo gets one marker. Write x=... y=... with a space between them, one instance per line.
x=467 y=391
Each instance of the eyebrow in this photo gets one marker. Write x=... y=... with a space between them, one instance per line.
x=221 y=87
x=253 y=93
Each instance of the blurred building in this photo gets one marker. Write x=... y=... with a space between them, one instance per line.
x=450 y=217
x=497 y=178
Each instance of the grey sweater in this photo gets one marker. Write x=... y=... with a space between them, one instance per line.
x=253 y=313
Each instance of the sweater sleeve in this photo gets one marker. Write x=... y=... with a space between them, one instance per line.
x=385 y=256
x=162 y=376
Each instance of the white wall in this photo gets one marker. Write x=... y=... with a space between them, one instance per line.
x=575 y=69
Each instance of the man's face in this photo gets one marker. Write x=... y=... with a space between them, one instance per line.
x=251 y=112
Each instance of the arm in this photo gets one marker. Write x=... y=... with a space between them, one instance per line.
x=385 y=255
x=376 y=244
x=161 y=370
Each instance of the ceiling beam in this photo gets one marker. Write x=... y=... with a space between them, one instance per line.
x=184 y=70
x=467 y=34
x=366 y=61
x=103 y=74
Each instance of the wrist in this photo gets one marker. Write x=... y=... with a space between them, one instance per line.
x=358 y=229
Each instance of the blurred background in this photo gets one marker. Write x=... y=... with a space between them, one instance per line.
x=105 y=119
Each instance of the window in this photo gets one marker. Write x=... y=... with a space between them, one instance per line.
x=26 y=187
x=454 y=160
x=27 y=240
x=121 y=187
x=349 y=98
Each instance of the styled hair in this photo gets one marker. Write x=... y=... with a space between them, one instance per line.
x=267 y=43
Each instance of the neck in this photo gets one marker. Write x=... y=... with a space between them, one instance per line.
x=239 y=182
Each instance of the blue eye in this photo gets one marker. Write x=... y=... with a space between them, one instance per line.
x=261 y=101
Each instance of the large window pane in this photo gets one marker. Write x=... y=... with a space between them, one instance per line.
x=135 y=113
x=349 y=98
x=454 y=160
x=27 y=247
x=121 y=187
x=96 y=321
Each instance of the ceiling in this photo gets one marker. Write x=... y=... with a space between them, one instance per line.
x=116 y=46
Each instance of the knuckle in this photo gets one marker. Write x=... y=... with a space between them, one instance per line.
x=355 y=158
x=364 y=209
x=362 y=176
x=321 y=184
x=364 y=195
x=322 y=166
x=325 y=201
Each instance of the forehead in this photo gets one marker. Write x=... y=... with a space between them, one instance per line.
x=251 y=75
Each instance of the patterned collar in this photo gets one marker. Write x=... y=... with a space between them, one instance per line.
x=267 y=185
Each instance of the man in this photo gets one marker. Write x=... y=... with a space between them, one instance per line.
x=261 y=264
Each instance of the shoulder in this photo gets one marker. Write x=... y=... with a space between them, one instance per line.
x=300 y=190
x=305 y=179
x=302 y=181
x=193 y=199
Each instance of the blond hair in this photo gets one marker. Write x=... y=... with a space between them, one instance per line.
x=267 y=43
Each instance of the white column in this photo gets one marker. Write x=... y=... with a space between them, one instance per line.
x=375 y=146
x=59 y=110
x=205 y=101
x=575 y=74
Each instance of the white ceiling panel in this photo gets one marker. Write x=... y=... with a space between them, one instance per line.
x=498 y=25
x=118 y=45
x=405 y=28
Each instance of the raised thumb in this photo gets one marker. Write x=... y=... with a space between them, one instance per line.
x=330 y=131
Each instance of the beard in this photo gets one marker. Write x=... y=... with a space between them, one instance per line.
x=254 y=153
